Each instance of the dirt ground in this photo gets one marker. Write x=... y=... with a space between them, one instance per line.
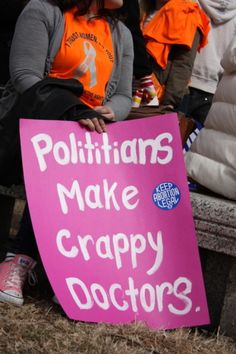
x=41 y=327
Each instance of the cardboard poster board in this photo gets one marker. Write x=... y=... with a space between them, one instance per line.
x=113 y=221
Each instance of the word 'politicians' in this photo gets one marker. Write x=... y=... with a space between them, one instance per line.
x=73 y=151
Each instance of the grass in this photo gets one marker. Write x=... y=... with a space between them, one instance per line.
x=41 y=327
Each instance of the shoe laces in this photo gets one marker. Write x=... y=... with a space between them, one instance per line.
x=16 y=275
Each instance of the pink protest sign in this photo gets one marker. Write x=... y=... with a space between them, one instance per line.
x=113 y=221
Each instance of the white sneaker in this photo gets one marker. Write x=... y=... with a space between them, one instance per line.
x=13 y=272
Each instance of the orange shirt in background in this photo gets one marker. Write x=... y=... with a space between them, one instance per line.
x=175 y=23
x=86 y=53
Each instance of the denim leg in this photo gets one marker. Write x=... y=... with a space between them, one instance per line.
x=24 y=242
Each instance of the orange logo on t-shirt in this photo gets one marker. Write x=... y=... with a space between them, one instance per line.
x=86 y=53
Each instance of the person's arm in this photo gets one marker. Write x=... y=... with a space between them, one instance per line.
x=179 y=73
x=120 y=102
x=30 y=45
x=9 y=12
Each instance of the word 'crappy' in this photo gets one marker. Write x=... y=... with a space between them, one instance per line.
x=113 y=247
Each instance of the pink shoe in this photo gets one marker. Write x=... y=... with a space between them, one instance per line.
x=13 y=273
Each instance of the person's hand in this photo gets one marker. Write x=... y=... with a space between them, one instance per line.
x=98 y=124
x=105 y=111
x=93 y=124
x=146 y=91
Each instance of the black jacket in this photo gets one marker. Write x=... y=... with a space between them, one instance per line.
x=49 y=99
x=9 y=12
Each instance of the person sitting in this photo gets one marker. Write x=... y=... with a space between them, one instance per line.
x=207 y=70
x=65 y=47
x=211 y=160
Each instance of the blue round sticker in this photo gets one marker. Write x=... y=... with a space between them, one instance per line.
x=166 y=196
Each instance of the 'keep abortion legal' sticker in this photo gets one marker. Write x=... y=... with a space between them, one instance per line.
x=166 y=196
